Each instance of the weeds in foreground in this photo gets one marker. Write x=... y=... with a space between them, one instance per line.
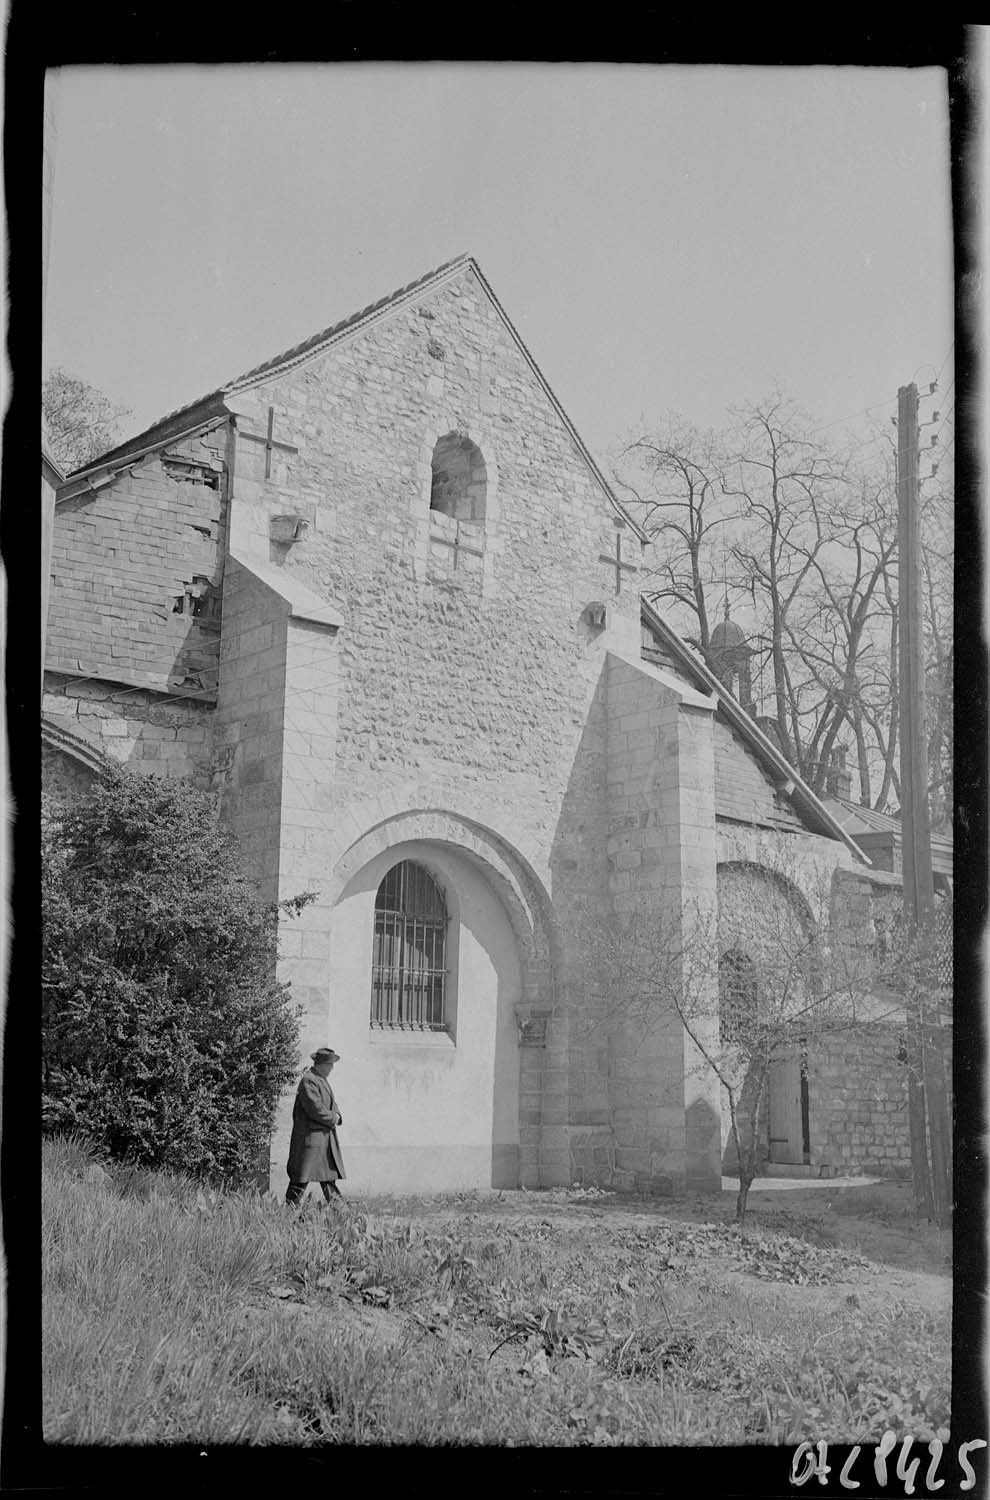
x=168 y=1318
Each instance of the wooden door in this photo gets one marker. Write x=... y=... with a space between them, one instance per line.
x=786 y=1129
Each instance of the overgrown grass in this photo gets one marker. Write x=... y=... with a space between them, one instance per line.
x=176 y=1315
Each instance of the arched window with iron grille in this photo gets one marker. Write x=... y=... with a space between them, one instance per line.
x=736 y=996
x=409 y=974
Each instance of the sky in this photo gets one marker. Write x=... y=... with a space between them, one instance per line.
x=664 y=238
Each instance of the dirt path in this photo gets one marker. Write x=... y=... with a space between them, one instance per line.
x=907 y=1265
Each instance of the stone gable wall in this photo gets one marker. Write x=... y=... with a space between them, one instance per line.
x=123 y=556
x=482 y=681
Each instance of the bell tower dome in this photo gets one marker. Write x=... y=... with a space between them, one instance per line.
x=729 y=659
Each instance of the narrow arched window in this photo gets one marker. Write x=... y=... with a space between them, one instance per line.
x=736 y=996
x=409 y=974
x=460 y=480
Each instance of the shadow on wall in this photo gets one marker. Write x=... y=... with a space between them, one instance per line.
x=730 y=1157
x=579 y=863
x=65 y=778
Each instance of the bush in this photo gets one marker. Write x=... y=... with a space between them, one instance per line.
x=166 y=1037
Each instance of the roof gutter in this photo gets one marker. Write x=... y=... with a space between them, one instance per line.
x=797 y=790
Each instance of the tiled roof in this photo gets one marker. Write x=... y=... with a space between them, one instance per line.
x=210 y=406
x=851 y=813
x=880 y=822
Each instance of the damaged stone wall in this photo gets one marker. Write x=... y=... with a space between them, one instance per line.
x=136 y=571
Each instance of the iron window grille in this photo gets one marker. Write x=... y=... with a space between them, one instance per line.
x=409 y=974
x=736 y=996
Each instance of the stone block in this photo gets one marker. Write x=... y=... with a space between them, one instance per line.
x=632 y=1159
x=554 y=1174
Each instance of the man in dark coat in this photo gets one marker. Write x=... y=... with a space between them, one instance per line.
x=314 y=1151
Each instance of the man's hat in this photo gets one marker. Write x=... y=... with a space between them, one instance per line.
x=325 y=1054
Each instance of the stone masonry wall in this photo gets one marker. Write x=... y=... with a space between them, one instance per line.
x=661 y=836
x=743 y=791
x=490 y=691
x=655 y=651
x=136 y=567
x=857 y=1086
x=248 y=726
x=858 y=1112
x=147 y=731
x=273 y=774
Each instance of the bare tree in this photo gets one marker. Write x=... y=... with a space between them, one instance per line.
x=798 y=538
x=78 y=421
x=753 y=988
x=837 y=630
x=674 y=481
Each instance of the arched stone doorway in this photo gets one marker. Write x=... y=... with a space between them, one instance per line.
x=434 y=1107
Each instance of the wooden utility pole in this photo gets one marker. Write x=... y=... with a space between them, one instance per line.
x=927 y=1092
x=919 y=895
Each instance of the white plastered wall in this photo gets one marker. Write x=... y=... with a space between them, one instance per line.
x=429 y=1112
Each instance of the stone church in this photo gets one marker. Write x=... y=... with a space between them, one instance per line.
x=379 y=597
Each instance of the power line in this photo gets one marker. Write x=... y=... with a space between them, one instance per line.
x=122 y=692
x=945 y=361
x=853 y=416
